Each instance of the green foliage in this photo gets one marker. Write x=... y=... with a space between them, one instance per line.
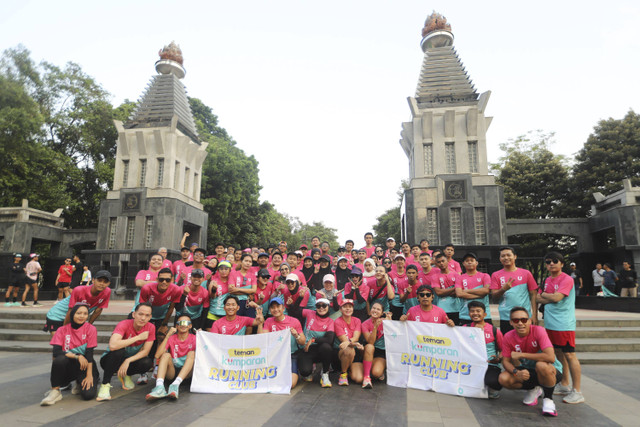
x=611 y=154
x=73 y=148
x=388 y=225
x=303 y=233
x=536 y=181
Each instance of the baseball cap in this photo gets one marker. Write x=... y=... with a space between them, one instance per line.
x=264 y=273
x=399 y=256
x=355 y=271
x=322 y=300
x=325 y=258
x=329 y=278
x=224 y=264
x=292 y=276
x=278 y=300
x=346 y=301
x=197 y=272
x=261 y=254
x=103 y=274
x=391 y=239
x=184 y=248
x=469 y=255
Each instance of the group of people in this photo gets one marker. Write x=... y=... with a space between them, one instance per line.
x=605 y=279
x=334 y=308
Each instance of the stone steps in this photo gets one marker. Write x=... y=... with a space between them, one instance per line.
x=35 y=335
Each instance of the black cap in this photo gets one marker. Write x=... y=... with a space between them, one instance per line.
x=469 y=255
x=197 y=272
x=325 y=258
x=261 y=254
x=264 y=273
x=103 y=274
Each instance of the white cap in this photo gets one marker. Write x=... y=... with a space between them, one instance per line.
x=292 y=276
x=323 y=300
x=400 y=256
x=391 y=238
x=329 y=278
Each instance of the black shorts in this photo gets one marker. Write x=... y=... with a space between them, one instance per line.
x=335 y=360
x=533 y=378
x=52 y=325
x=16 y=282
x=63 y=285
x=378 y=352
x=29 y=281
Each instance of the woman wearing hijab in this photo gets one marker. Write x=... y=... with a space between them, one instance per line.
x=308 y=270
x=318 y=348
x=330 y=293
x=342 y=273
x=73 y=346
x=369 y=269
x=320 y=272
x=296 y=297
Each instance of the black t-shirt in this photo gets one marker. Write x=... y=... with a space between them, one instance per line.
x=76 y=277
x=628 y=278
x=17 y=270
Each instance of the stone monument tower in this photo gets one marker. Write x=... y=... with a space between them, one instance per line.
x=451 y=196
x=156 y=186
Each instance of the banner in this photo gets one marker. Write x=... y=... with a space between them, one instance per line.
x=430 y=356
x=242 y=363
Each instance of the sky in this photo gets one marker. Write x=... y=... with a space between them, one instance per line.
x=317 y=91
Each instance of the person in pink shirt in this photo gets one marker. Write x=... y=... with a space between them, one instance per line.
x=493 y=341
x=454 y=265
x=128 y=351
x=166 y=263
x=293 y=259
x=415 y=254
x=276 y=261
x=427 y=312
x=424 y=247
x=375 y=356
x=231 y=323
x=296 y=297
x=358 y=292
x=408 y=291
x=368 y=247
x=473 y=285
x=147 y=276
x=405 y=250
x=244 y=286
x=529 y=362
x=219 y=249
x=265 y=290
x=179 y=265
x=399 y=279
x=195 y=300
x=176 y=352
x=218 y=290
x=348 y=351
x=391 y=244
x=426 y=270
x=73 y=346
x=362 y=256
x=198 y=262
x=278 y=322
x=315 y=244
x=444 y=286
x=320 y=334
x=325 y=248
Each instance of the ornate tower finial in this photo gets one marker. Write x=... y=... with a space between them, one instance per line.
x=171 y=60
x=436 y=32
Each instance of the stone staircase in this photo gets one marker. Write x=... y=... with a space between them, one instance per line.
x=598 y=341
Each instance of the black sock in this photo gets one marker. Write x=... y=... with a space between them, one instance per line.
x=15 y=299
x=548 y=392
x=35 y=302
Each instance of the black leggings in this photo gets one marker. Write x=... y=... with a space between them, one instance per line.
x=491 y=377
x=317 y=353
x=112 y=361
x=65 y=370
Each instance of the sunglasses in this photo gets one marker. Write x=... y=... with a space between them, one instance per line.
x=164 y=279
x=551 y=261
x=387 y=262
x=183 y=323
x=425 y=294
x=522 y=320
x=321 y=305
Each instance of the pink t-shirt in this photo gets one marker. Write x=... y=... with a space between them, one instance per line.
x=363 y=289
x=231 y=327
x=520 y=277
x=435 y=315
x=263 y=295
x=272 y=325
x=305 y=299
x=454 y=266
x=367 y=326
x=187 y=273
x=342 y=328
x=178 y=267
x=126 y=330
x=147 y=275
x=179 y=348
x=149 y=293
x=372 y=284
x=201 y=297
x=86 y=336
x=467 y=282
x=316 y=323
x=370 y=251
x=425 y=278
x=400 y=282
x=535 y=342
x=83 y=294
x=444 y=281
x=563 y=283
x=167 y=264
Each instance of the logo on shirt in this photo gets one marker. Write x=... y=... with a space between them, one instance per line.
x=534 y=343
x=519 y=278
x=517 y=346
x=503 y=281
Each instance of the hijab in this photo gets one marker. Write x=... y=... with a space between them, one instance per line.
x=365 y=273
x=72 y=314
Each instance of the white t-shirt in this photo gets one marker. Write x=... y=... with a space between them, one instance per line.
x=32 y=269
x=598 y=278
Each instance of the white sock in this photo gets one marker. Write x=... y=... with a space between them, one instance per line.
x=177 y=381
x=160 y=381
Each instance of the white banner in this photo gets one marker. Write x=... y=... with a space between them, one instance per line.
x=430 y=356
x=242 y=363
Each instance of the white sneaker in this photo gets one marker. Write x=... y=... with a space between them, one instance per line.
x=51 y=398
x=143 y=379
x=573 y=397
x=325 y=382
x=549 y=408
x=76 y=388
x=531 y=398
x=562 y=389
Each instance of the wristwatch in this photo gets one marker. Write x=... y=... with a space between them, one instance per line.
x=515 y=371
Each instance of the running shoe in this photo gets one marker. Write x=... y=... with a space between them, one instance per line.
x=65 y=387
x=381 y=377
x=158 y=392
x=51 y=398
x=8 y=304
x=37 y=304
x=76 y=388
x=16 y=304
x=325 y=382
x=366 y=383
x=531 y=398
x=308 y=379
x=573 y=397
x=142 y=380
x=104 y=392
x=549 y=408
x=562 y=389
x=493 y=394
x=127 y=382
x=343 y=380
x=155 y=372
x=174 y=391
x=24 y=304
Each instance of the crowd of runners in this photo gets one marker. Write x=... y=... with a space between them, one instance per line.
x=333 y=305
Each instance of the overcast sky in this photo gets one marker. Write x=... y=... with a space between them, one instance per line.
x=317 y=91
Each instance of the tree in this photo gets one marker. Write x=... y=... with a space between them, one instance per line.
x=611 y=154
x=303 y=233
x=536 y=181
x=77 y=138
x=388 y=224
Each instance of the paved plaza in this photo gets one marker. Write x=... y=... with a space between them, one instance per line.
x=612 y=393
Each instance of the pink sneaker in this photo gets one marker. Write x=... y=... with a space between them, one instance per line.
x=343 y=380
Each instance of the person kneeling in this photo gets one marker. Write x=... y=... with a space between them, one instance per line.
x=73 y=346
x=177 y=351
x=530 y=362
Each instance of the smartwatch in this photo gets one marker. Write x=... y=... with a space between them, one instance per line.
x=515 y=371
